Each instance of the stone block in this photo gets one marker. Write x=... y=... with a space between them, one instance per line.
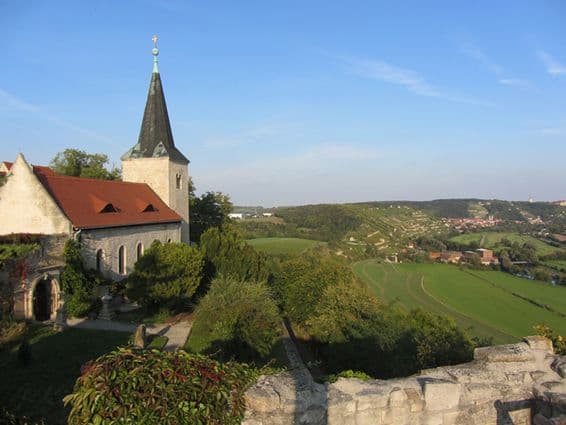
x=441 y=395
x=520 y=352
x=262 y=399
x=537 y=342
x=397 y=397
x=339 y=403
x=559 y=365
x=368 y=417
x=415 y=400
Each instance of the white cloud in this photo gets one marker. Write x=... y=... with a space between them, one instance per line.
x=383 y=71
x=553 y=67
x=17 y=103
x=515 y=82
x=407 y=78
x=477 y=54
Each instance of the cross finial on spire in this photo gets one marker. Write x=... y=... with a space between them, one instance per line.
x=155 y=52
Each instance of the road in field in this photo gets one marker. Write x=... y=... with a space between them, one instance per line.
x=482 y=302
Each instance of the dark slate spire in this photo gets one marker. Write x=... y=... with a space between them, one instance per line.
x=156 y=138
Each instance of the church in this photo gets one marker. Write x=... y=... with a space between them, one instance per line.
x=113 y=220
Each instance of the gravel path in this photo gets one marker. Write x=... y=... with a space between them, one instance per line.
x=176 y=333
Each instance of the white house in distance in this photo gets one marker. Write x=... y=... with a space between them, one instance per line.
x=114 y=220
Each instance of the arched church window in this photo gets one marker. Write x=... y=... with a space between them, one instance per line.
x=122 y=260
x=99 y=260
x=139 y=250
x=178 y=180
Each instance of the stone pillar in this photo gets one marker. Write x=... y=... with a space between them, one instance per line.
x=105 y=313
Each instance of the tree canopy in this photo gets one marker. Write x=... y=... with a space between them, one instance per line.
x=211 y=209
x=78 y=163
x=165 y=275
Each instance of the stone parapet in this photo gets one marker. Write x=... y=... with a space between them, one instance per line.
x=520 y=384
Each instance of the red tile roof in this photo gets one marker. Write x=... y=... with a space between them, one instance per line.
x=8 y=164
x=92 y=203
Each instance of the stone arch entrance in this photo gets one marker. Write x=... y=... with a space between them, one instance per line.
x=45 y=299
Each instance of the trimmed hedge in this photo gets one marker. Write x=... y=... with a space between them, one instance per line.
x=154 y=387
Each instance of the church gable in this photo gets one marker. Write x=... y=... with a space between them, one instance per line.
x=26 y=206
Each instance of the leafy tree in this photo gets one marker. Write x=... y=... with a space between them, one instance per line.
x=78 y=163
x=301 y=282
x=166 y=275
x=228 y=254
x=76 y=281
x=211 y=209
x=238 y=318
x=437 y=340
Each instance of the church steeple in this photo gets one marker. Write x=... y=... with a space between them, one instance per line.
x=156 y=138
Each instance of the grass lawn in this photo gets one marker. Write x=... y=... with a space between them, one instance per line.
x=482 y=302
x=286 y=246
x=38 y=389
x=491 y=239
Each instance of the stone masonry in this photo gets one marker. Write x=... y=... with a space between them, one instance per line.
x=520 y=384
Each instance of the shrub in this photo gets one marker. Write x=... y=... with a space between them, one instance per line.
x=166 y=275
x=558 y=341
x=300 y=283
x=154 y=387
x=8 y=418
x=11 y=332
x=228 y=254
x=77 y=282
x=239 y=318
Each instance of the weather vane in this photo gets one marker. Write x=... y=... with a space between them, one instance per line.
x=155 y=52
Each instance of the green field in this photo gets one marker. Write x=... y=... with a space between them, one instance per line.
x=488 y=303
x=286 y=246
x=491 y=239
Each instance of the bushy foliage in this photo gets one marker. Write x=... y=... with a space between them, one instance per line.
x=211 y=209
x=238 y=318
x=77 y=163
x=325 y=222
x=301 y=281
x=228 y=254
x=437 y=340
x=11 y=332
x=351 y=329
x=558 y=341
x=77 y=282
x=167 y=274
x=154 y=387
x=8 y=418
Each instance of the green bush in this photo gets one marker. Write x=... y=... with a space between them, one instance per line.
x=166 y=275
x=301 y=281
x=238 y=318
x=78 y=283
x=154 y=387
x=228 y=254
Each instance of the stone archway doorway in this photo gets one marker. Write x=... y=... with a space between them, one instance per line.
x=43 y=300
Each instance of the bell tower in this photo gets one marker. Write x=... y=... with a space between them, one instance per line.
x=154 y=159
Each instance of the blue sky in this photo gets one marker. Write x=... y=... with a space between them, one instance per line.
x=293 y=102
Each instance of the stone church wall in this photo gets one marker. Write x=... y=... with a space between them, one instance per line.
x=109 y=240
x=518 y=384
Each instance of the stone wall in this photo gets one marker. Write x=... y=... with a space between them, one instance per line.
x=519 y=384
x=110 y=239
